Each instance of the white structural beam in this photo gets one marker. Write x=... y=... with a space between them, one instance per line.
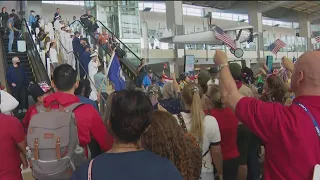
x=272 y=5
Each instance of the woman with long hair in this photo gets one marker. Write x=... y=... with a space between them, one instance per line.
x=228 y=125
x=274 y=90
x=205 y=129
x=130 y=117
x=166 y=138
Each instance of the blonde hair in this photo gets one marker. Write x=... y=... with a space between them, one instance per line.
x=191 y=95
x=169 y=91
x=215 y=96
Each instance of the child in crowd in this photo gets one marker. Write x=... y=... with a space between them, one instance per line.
x=38 y=92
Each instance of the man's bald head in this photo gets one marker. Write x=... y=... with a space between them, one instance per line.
x=306 y=74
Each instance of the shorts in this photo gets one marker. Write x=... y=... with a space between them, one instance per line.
x=243 y=138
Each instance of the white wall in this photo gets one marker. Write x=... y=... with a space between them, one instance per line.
x=47 y=11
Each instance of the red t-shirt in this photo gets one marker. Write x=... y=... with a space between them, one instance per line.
x=292 y=146
x=27 y=117
x=11 y=133
x=228 y=125
x=88 y=120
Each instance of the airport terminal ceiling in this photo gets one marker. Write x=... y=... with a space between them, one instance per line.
x=279 y=9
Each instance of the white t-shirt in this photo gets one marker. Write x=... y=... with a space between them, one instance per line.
x=211 y=136
x=216 y=81
x=53 y=55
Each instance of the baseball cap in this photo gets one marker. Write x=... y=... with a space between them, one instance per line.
x=235 y=70
x=77 y=32
x=38 y=89
x=182 y=77
x=213 y=70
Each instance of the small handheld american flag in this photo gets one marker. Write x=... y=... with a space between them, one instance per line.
x=317 y=39
x=222 y=36
x=276 y=46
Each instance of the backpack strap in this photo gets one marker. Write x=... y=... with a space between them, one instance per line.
x=73 y=106
x=182 y=123
x=90 y=170
x=40 y=108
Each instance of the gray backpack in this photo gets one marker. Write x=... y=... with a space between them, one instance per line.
x=53 y=140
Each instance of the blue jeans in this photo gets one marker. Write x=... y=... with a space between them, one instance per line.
x=11 y=37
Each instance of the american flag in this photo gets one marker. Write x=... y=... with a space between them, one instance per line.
x=276 y=46
x=222 y=36
x=317 y=39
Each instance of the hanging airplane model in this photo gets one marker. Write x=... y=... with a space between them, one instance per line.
x=239 y=33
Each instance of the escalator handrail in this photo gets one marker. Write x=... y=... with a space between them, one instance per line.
x=118 y=39
x=90 y=35
x=35 y=51
x=124 y=45
x=77 y=59
x=100 y=58
x=132 y=68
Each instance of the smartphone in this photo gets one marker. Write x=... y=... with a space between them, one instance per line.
x=269 y=62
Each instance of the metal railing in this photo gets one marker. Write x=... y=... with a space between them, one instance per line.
x=39 y=70
x=127 y=66
x=131 y=64
x=79 y=65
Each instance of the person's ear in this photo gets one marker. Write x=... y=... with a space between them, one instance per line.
x=76 y=84
x=300 y=77
x=53 y=85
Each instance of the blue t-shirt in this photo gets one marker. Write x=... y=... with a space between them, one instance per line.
x=146 y=81
x=137 y=165
x=161 y=84
x=88 y=101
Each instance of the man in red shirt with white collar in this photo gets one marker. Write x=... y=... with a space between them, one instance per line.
x=292 y=143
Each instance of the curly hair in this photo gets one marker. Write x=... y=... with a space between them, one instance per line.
x=166 y=138
x=277 y=90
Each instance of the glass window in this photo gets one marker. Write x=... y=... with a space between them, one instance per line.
x=48 y=2
x=141 y=6
x=78 y=3
x=184 y=10
x=226 y=16
x=236 y=17
x=216 y=15
x=193 y=10
x=150 y=5
x=159 y=7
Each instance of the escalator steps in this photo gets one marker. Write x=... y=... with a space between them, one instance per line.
x=23 y=56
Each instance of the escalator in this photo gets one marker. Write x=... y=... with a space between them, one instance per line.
x=129 y=62
x=30 y=59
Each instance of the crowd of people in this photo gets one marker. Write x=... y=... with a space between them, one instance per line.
x=210 y=127
x=218 y=124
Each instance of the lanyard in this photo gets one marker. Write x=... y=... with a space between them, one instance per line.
x=311 y=116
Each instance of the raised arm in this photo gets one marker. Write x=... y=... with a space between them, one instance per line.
x=287 y=63
x=228 y=87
